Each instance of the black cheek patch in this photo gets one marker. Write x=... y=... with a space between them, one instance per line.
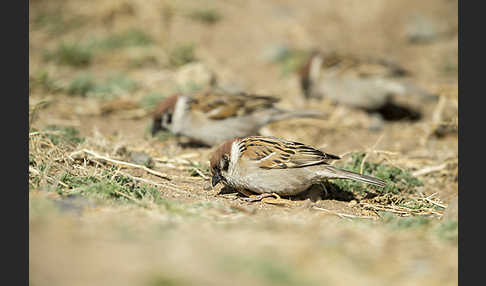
x=225 y=165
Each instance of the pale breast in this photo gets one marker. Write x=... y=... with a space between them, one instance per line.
x=290 y=181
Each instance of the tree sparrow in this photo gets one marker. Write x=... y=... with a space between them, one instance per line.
x=213 y=117
x=273 y=166
x=365 y=83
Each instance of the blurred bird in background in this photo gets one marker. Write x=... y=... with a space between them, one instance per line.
x=212 y=117
x=375 y=85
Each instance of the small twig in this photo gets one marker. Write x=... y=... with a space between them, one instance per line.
x=362 y=162
x=148 y=170
x=172 y=166
x=436 y=119
x=200 y=173
x=37 y=173
x=59 y=182
x=367 y=153
x=45 y=132
x=188 y=155
x=34 y=109
x=139 y=179
x=399 y=210
x=437 y=115
x=173 y=160
x=383 y=208
x=341 y=215
x=387 y=152
x=33 y=170
x=148 y=181
x=429 y=169
x=169 y=185
x=186 y=164
x=427 y=199
x=435 y=203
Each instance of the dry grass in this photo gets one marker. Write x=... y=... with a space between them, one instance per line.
x=99 y=217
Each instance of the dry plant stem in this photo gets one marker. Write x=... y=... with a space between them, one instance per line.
x=436 y=119
x=171 y=166
x=399 y=210
x=341 y=215
x=176 y=160
x=113 y=161
x=37 y=173
x=384 y=208
x=391 y=153
x=31 y=169
x=437 y=116
x=59 y=182
x=347 y=153
x=148 y=181
x=186 y=165
x=427 y=199
x=34 y=110
x=429 y=169
x=200 y=173
x=367 y=153
x=433 y=202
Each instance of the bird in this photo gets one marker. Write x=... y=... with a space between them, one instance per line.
x=212 y=117
x=271 y=166
x=372 y=84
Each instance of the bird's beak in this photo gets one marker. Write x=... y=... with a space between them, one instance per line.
x=216 y=179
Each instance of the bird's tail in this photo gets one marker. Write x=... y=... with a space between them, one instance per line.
x=413 y=90
x=337 y=173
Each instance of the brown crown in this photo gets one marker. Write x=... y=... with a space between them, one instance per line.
x=223 y=149
x=167 y=104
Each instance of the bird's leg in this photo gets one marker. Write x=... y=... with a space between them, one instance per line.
x=260 y=197
x=275 y=201
x=267 y=198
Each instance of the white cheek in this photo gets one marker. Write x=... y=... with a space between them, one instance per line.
x=235 y=154
x=179 y=113
x=315 y=68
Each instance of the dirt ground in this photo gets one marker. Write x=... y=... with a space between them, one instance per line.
x=200 y=237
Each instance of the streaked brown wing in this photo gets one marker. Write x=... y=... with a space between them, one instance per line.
x=276 y=153
x=218 y=105
x=379 y=68
x=363 y=66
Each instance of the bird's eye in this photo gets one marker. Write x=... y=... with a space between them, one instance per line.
x=224 y=163
x=167 y=119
